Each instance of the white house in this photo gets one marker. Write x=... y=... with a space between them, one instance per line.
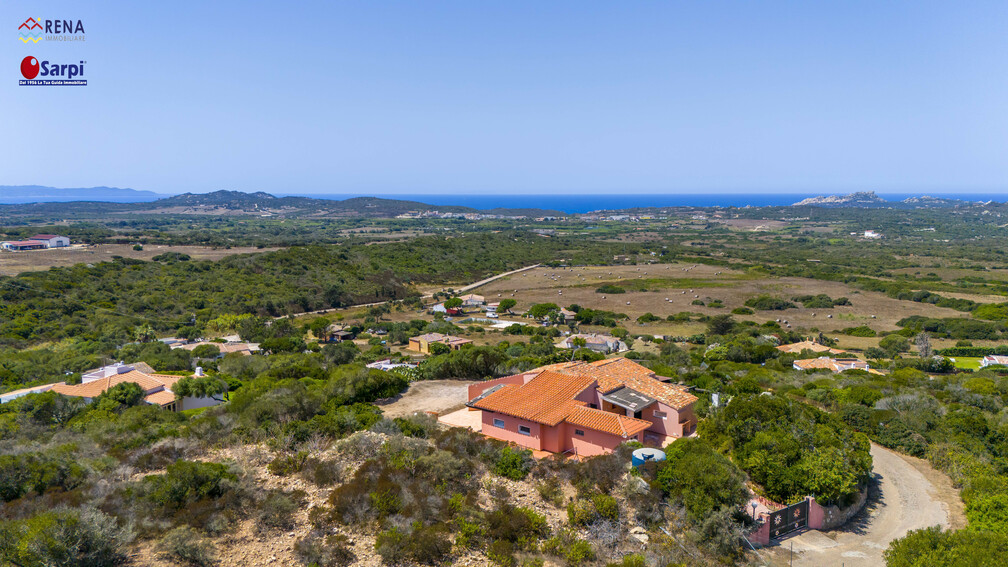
x=52 y=240
x=992 y=359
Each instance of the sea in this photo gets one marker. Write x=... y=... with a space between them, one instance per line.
x=584 y=203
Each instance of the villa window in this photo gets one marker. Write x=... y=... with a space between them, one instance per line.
x=579 y=432
x=660 y=414
x=524 y=430
x=593 y=406
x=499 y=423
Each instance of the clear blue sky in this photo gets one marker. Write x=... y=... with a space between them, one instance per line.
x=373 y=97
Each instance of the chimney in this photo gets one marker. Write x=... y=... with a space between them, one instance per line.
x=199 y=371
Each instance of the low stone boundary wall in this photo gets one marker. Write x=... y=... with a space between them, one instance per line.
x=831 y=517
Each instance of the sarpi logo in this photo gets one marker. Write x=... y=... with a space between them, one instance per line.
x=30 y=30
x=61 y=74
x=36 y=29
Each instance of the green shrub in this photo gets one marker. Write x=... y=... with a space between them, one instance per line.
x=550 y=491
x=859 y=331
x=64 y=536
x=284 y=465
x=187 y=482
x=513 y=463
x=277 y=509
x=742 y=311
x=768 y=303
x=184 y=546
x=610 y=288
x=598 y=507
x=331 y=551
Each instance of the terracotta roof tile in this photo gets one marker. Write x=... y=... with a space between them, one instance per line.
x=548 y=398
x=164 y=397
x=94 y=388
x=615 y=373
x=607 y=422
x=808 y=345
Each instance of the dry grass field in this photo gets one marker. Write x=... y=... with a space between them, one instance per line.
x=13 y=263
x=673 y=287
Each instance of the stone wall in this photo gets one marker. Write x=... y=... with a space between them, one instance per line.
x=827 y=518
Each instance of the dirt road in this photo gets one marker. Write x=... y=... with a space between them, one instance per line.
x=909 y=495
x=441 y=396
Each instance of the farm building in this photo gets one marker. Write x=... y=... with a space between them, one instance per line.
x=422 y=343
x=831 y=364
x=52 y=240
x=993 y=359
x=22 y=245
x=583 y=408
x=797 y=348
x=598 y=343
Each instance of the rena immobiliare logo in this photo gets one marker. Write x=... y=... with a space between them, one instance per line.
x=56 y=74
x=34 y=30
x=30 y=30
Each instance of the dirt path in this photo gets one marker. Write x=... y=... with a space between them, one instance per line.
x=441 y=396
x=909 y=495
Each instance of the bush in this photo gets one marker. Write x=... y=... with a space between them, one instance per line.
x=567 y=545
x=330 y=551
x=522 y=527
x=598 y=508
x=550 y=491
x=859 y=331
x=513 y=463
x=184 y=546
x=206 y=351
x=610 y=288
x=701 y=479
x=768 y=303
x=65 y=536
x=742 y=311
x=278 y=508
x=187 y=482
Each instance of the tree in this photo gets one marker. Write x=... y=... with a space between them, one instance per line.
x=720 y=325
x=543 y=310
x=144 y=333
x=506 y=305
x=923 y=342
x=702 y=479
x=453 y=303
x=894 y=344
x=578 y=343
x=318 y=327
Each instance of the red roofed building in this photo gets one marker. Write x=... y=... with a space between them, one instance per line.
x=583 y=408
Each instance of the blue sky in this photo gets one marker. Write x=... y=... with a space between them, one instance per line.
x=515 y=97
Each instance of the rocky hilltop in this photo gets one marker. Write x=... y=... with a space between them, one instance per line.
x=858 y=199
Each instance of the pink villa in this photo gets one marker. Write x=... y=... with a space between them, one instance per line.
x=583 y=408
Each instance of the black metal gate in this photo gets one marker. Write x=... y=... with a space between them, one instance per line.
x=787 y=520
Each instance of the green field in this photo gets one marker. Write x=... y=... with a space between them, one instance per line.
x=967 y=362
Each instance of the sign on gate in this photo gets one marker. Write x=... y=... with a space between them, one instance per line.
x=787 y=520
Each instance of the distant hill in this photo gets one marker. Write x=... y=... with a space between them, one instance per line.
x=869 y=200
x=15 y=194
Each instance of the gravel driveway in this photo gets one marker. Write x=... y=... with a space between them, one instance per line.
x=910 y=495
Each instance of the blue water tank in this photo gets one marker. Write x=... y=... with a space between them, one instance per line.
x=641 y=456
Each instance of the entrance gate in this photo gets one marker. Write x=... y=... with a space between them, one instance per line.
x=789 y=519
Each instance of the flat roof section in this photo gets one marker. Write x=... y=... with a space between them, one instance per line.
x=628 y=398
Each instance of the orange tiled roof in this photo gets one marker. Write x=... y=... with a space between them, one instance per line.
x=809 y=345
x=164 y=397
x=37 y=389
x=548 y=398
x=615 y=373
x=94 y=388
x=607 y=422
x=832 y=364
